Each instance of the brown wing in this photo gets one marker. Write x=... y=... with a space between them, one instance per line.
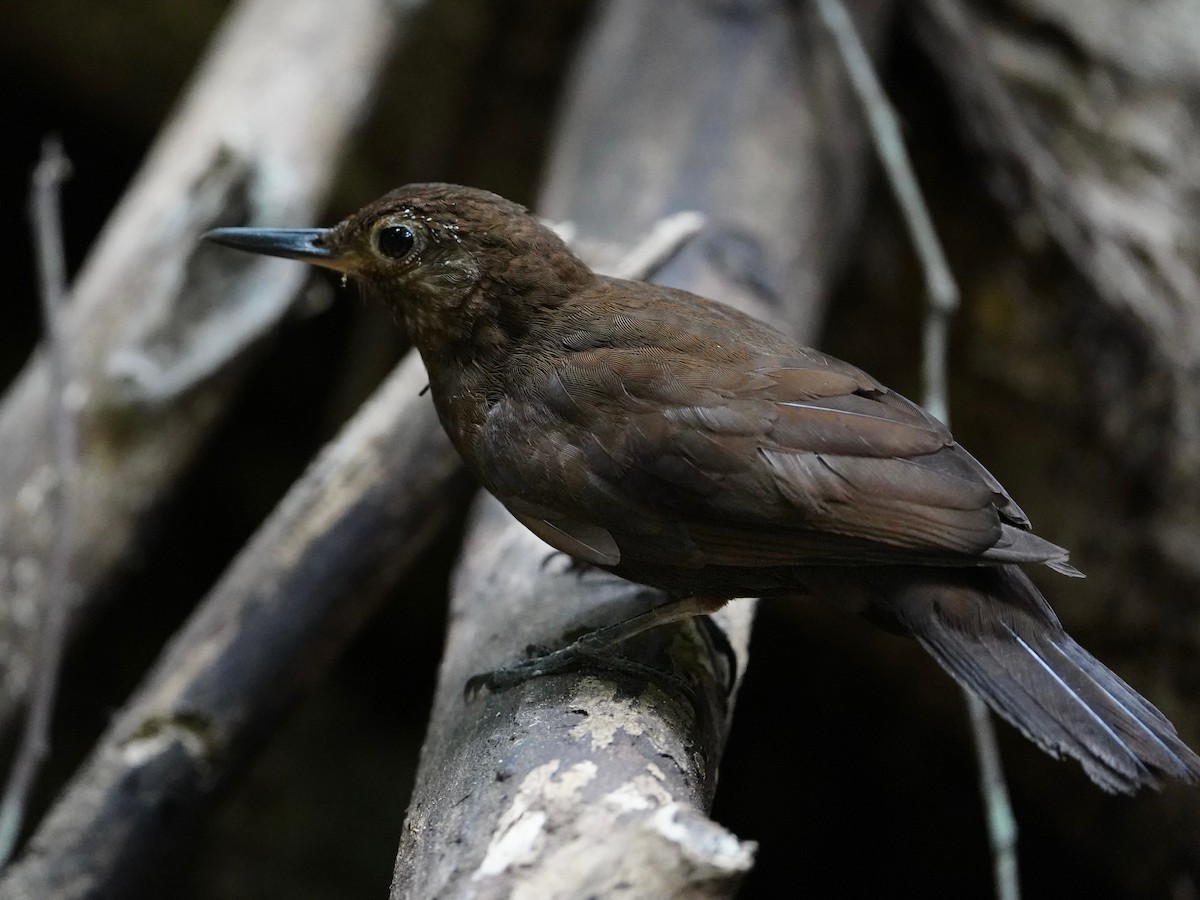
x=692 y=455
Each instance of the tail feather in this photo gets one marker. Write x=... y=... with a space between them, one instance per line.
x=993 y=632
x=1161 y=746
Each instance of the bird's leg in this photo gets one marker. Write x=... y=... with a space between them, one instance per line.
x=596 y=646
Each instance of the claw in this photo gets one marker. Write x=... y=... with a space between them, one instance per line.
x=545 y=663
x=475 y=685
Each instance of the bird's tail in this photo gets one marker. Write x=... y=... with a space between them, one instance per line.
x=992 y=630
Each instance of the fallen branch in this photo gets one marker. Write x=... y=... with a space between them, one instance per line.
x=160 y=330
x=46 y=219
x=348 y=529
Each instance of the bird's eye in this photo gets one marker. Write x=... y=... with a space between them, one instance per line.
x=395 y=241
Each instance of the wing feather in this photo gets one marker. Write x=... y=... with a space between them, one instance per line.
x=785 y=458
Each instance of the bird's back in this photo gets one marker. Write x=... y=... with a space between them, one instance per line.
x=697 y=438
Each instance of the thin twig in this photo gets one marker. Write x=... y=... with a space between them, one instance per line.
x=44 y=196
x=654 y=249
x=1001 y=823
x=942 y=300
x=885 y=131
x=666 y=238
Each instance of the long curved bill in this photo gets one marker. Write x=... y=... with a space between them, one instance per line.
x=290 y=243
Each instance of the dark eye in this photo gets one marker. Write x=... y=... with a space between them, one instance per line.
x=395 y=241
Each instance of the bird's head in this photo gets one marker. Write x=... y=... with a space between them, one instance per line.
x=452 y=261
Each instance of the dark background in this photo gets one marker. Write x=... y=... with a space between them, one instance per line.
x=862 y=783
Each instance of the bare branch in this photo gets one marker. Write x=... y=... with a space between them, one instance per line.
x=941 y=289
x=366 y=508
x=162 y=330
x=1001 y=821
x=46 y=219
x=666 y=238
x=942 y=300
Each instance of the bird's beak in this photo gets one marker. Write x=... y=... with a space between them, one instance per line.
x=307 y=244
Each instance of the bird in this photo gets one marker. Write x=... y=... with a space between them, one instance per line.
x=681 y=444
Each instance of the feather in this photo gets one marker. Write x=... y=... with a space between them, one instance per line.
x=994 y=633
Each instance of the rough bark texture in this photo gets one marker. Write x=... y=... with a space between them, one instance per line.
x=573 y=785
x=161 y=329
x=1086 y=112
x=515 y=789
x=368 y=506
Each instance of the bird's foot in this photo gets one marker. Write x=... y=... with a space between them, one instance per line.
x=597 y=649
x=588 y=650
x=594 y=647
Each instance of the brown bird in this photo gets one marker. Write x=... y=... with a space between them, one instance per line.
x=681 y=444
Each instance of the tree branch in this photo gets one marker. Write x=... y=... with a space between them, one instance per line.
x=347 y=530
x=46 y=219
x=161 y=329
